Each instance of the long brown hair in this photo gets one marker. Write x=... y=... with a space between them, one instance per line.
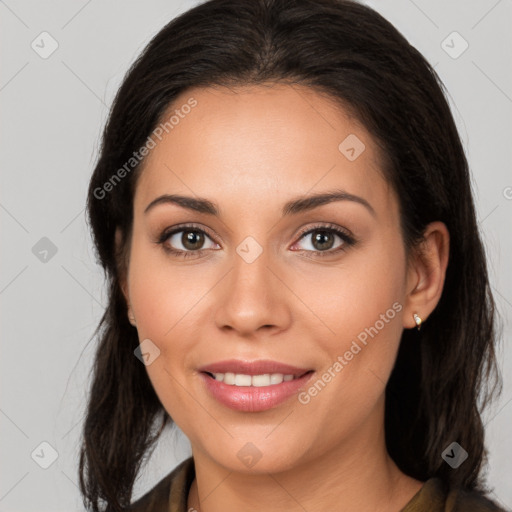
x=445 y=373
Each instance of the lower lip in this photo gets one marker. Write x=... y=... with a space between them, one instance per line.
x=251 y=398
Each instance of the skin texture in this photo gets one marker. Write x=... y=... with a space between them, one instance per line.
x=250 y=150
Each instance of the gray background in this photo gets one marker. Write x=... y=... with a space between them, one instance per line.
x=53 y=110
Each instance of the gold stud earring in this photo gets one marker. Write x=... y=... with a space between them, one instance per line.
x=418 y=320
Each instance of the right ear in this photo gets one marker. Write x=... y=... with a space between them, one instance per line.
x=123 y=281
x=118 y=240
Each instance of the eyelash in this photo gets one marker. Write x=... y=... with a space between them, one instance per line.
x=348 y=240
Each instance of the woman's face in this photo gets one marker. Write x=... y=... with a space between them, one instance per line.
x=266 y=278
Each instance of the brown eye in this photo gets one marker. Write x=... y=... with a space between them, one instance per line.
x=323 y=240
x=192 y=240
x=186 y=241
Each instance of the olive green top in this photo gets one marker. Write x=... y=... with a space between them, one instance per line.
x=171 y=494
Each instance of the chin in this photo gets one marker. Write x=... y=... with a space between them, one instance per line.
x=258 y=457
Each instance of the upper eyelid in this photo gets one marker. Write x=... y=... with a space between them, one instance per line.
x=328 y=227
x=166 y=233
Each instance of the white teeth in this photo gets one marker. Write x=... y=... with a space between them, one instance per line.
x=229 y=378
x=261 y=380
x=241 y=379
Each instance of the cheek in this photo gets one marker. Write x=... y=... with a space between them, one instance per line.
x=167 y=300
x=365 y=288
x=162 y=294
x=360 y=304
x=163 y=299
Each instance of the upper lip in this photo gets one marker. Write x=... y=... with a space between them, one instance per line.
x=253 y=367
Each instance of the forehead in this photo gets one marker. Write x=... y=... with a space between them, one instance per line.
x=256 y=145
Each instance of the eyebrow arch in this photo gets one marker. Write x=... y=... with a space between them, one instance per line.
x=293 y=207
x=305 y=203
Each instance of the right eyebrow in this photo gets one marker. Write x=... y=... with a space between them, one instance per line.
x=191 y=203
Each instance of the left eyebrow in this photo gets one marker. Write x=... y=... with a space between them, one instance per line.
x=293 y=207
x=306 y=203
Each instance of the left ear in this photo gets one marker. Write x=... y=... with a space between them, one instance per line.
x=426 y=273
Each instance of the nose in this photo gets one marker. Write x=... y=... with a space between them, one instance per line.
x=252 y=297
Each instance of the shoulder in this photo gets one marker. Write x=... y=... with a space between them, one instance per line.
x=173 y=486
x=434 y=496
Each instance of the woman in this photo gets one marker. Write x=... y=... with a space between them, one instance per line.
x=283 y=210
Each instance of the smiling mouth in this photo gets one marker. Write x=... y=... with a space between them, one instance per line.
x=262 y=380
